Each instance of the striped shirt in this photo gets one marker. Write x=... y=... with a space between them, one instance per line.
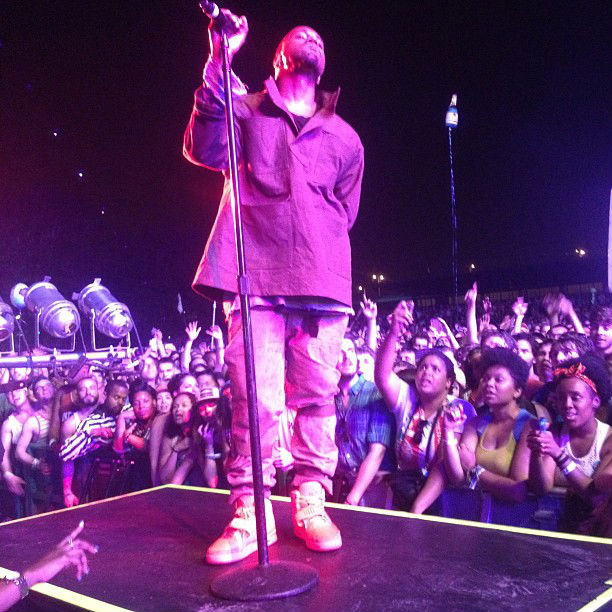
x=84 y=440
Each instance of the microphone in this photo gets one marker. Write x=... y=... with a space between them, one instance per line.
x=221 y=21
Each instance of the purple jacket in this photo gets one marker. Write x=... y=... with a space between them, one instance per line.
x=300 y=196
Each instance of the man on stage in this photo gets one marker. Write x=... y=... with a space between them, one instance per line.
x=300 y=171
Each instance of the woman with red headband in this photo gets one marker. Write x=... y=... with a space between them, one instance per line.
x=578 y=453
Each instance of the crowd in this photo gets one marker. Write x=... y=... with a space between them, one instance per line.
x=514 y=404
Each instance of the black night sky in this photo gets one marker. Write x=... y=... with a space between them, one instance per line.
x=114 y=81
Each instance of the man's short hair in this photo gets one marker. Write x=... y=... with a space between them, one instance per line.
x=573 y=341
x=500 y=333
x=32 y=384
x=602 y=316
x=115 y=382
x=529 y=338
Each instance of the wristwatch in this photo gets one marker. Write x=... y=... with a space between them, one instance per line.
x=473 y=476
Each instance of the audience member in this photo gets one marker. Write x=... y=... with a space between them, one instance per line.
x=417 y=410
x=62 y=414
x=492 y=451
x=364 y=435
x=574 y=453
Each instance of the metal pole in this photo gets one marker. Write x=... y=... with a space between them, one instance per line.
x=245 y=313
x=453 y=219
x=41 y=361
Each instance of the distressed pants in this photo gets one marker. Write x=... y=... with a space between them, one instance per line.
x=296 y=356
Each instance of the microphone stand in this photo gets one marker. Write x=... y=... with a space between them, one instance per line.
x=266 y=580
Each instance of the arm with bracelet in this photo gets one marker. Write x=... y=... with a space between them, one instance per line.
x=552 y=465
x=511 y=487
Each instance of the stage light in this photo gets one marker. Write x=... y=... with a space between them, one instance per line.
x=111 y=318
x=18 y=295
x=57 y=316
x=7 y=321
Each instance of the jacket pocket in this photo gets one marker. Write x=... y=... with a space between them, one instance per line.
x=268 y=236
x=265 y=171
x=326 y=163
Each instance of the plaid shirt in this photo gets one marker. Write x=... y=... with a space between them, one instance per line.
x=362 y=422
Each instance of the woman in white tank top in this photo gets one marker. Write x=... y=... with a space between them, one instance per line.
x=574 y=454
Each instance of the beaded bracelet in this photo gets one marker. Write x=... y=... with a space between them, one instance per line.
x=562 y=459
x=19 y=581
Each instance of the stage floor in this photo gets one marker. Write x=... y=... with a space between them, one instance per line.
x=152 y=546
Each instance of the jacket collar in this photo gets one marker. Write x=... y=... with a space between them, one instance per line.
x=326 y=101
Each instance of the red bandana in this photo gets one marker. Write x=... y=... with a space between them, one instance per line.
x=575 y=371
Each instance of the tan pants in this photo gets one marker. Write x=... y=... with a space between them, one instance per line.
x=296 y=354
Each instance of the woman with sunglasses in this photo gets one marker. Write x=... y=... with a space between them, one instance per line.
x=418 y=411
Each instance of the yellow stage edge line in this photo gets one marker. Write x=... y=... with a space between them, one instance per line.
x=599 y=601
x=76 y=599
x=72 y=597
x=477 y=524
x=87 y=505
x=435 y=519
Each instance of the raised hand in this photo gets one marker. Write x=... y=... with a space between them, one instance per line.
x=552 y=303
x=471 y=295
x=454 y=418
x=565 y=305
x=369 y=309
x=401 y=318
x=215 y=332
x=193 y=331
x=486 y=305
x=519 y=308
x=235 y=39
x=70 y=551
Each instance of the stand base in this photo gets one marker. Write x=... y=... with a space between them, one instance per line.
x=263 y=583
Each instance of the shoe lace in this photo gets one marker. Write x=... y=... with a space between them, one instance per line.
x=242 y=521
x=312 y=511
